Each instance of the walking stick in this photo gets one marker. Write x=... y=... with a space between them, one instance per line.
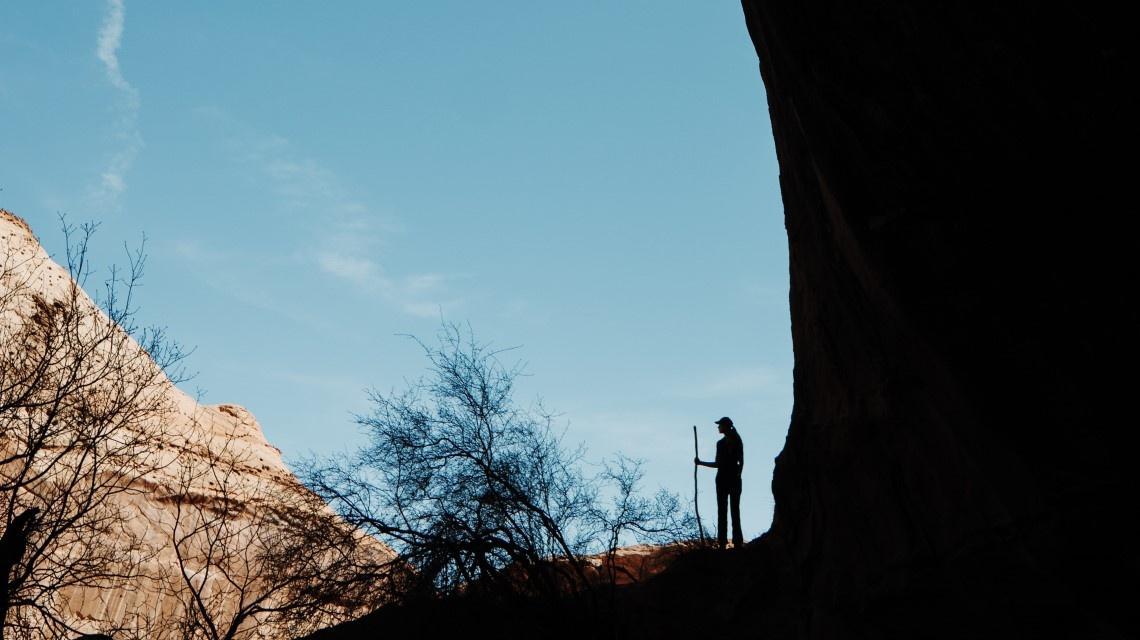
x=696 y=503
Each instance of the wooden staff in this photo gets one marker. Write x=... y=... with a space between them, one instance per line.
x=696 y=503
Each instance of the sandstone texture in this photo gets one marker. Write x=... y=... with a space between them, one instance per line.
x=196 y=440
x=955 y=179
x=632 y=564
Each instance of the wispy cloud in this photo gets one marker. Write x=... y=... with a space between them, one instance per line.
x=110 y=38
x=359 y=271
x=351 y=234
x=112 y=181
x=423 y=295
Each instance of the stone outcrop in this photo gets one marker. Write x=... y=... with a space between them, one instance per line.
x=632 y=564
x=955 y=179
x=197 y=440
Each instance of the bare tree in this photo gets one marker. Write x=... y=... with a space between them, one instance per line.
x=81 y=407
x=624 y=514
x=476 y=493
x=256 y=559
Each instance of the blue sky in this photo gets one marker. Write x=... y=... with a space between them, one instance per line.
x=594 y=182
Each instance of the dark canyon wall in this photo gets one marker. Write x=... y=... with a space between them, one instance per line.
x=957 y=182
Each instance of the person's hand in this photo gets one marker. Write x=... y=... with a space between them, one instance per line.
x=696 y=460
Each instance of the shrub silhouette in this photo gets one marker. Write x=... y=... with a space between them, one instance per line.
x=479 y=495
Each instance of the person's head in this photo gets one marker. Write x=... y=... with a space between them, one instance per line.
x=724 y=425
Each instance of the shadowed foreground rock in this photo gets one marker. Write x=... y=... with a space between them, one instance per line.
x=959 y=459
x=703 y=593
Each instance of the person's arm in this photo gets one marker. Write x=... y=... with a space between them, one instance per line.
x=700 y=463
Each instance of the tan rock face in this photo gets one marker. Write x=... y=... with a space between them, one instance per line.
x=633 y=564
x=206 y=475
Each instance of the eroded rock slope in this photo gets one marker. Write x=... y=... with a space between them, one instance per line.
x=207 y=461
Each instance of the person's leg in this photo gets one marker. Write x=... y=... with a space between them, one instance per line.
x=721 y=515
x=737 y=534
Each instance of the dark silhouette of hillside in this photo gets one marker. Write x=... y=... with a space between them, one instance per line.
x=702 y=592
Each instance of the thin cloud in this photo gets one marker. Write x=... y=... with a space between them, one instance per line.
x=359 y=271
x=416 y=295
x=112 y=181
x=110 y=39
x=352 y=233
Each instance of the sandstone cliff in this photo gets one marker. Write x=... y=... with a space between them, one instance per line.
x=207 y=462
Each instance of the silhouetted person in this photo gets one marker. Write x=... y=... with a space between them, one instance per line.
x=728 y=464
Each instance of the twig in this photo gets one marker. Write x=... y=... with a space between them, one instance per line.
x=696 y=504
